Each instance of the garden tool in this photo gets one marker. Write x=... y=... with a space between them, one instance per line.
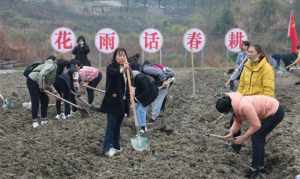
x=139 y=142
x=83 y=112
x=95 y=89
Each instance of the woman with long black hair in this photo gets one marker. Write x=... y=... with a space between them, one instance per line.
x=116 y=101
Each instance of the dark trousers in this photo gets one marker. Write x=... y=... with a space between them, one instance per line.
x=64 y=91
x=94 y=84
x=259 y=138
x=73 y=100
x=112 y=134
x=286 y=58
x=37 y=97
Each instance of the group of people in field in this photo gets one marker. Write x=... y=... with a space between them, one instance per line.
x=252 y=98
x=68 y=78
x=63 y=78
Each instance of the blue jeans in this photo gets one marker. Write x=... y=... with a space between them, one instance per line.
x=141 y=113
x=287 y=59
x=275 y=62
x=233 y=85
x=157 y=103
x=112 y=134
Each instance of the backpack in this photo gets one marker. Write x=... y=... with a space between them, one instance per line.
x=30 y=68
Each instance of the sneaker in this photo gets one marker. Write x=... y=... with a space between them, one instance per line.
x=111 y=152
x=60 y=116
x=35 y=124
x=142 y=131
x=69 y=116
x=44 y=122
x=118 y=150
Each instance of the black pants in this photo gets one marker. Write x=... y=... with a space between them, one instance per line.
x=259 y=138
x=64 y=90
x=94 y=84
x=36 y=97
x=286 y=58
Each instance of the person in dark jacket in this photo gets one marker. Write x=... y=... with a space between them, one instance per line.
x=64 y=86
x=145 y=93
x=81 y=51
x=116 y=100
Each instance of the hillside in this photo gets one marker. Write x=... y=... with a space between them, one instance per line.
x=31 y=22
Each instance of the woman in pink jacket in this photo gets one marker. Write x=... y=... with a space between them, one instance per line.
x=90 y=76
x=263 y=113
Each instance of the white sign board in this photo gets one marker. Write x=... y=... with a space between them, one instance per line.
x=234 y=39
x=151 y=40
x=194 y=40
x=63 y=39
x=107 y=40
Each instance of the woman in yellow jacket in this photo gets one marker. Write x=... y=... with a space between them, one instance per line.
x=257 y=78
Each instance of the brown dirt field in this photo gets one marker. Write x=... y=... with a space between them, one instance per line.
x=68 y=149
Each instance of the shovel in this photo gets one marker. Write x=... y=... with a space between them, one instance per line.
x=83 y=112
x=231 y=140
x=95 y=89
x=139 y=142
x=81 y=101
x=216 y=136
x=6 y=103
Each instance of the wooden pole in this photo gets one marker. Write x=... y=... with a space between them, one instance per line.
x=160 y=57
x=143 y=56
x=193 y=71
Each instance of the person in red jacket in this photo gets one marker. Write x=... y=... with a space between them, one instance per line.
x=263 y=113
